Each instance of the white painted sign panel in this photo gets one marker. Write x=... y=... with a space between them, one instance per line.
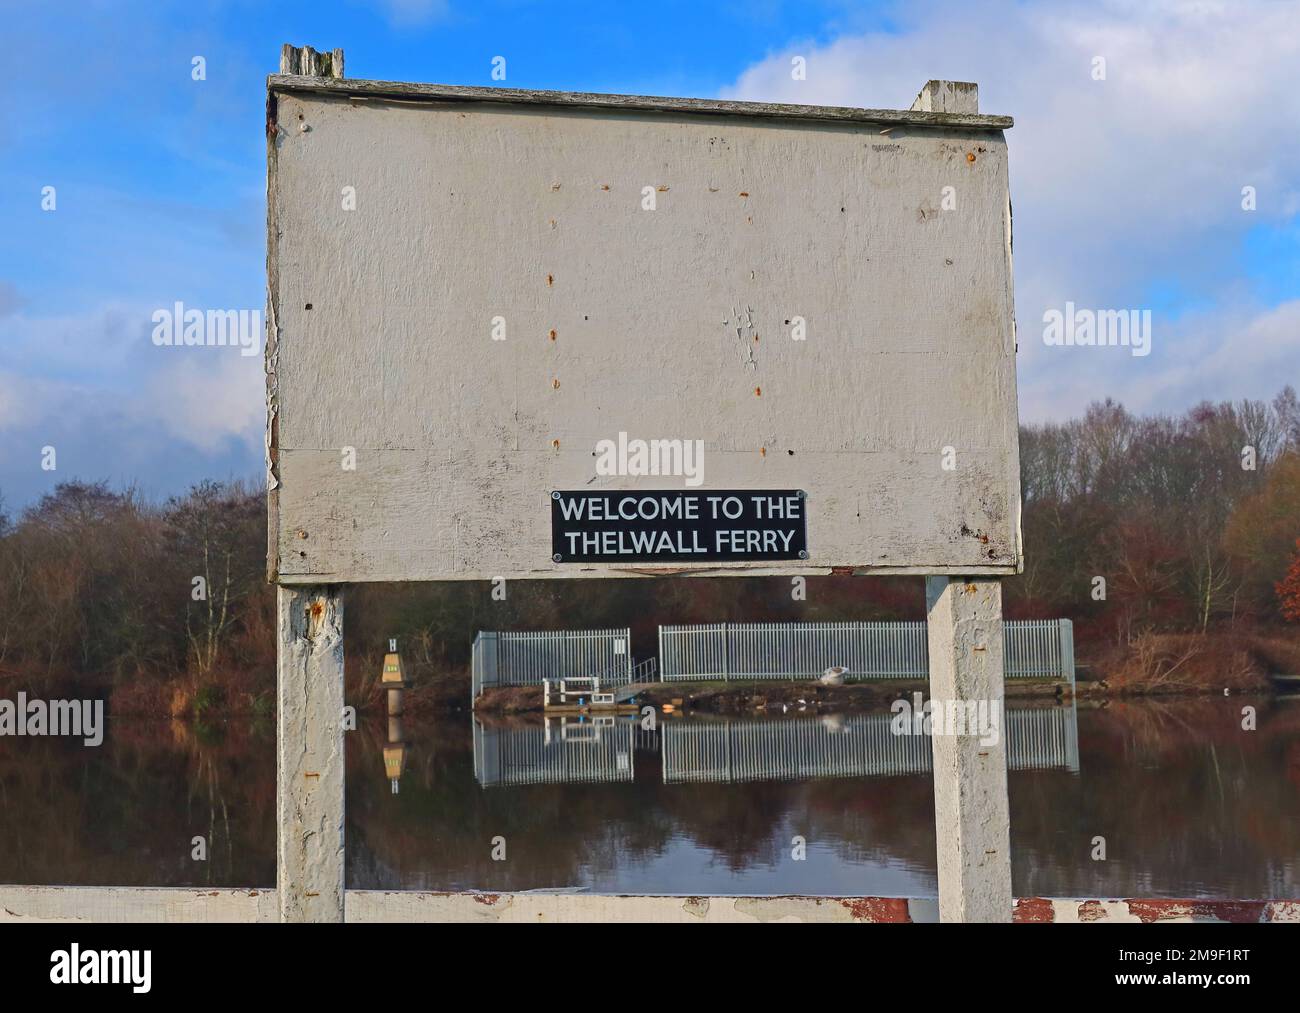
x=477 y=303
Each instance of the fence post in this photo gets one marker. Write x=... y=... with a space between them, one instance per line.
x=1067 y=650
x=309 y=753
x=971 y=813
x=726 y=652
x=477 y=666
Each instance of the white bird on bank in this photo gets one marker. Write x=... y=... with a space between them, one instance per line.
x=834 y=676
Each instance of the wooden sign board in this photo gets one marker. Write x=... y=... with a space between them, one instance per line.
x=479 y=298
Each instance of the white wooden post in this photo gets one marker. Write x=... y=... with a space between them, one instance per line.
x=309 y=661
x=964 y=628
x=306 y=62
x=309 y=754
x=971 y=814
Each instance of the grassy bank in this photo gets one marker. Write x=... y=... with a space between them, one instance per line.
x=1188 y=663
x=220 y=694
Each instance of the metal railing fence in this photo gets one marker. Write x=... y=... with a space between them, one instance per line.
x=528 y=658
x=879 y=650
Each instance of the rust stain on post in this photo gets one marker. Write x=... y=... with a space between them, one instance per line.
x=878 y=909
x=1033 y=909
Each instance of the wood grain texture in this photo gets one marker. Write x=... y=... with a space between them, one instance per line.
x=972 y=814
x=304 y=61
x=309 y=743
x=100 y=904
x=413 y=92
x=669 y=323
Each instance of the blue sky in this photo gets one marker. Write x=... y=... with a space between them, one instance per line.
x=1127 y=190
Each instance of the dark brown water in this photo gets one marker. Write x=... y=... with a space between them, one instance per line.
x=1189 y=805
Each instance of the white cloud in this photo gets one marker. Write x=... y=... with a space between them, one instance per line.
x=102 y=369
x=1218 y=355
x=24 y=399
x=206 y=397
x=92 y=341
x=1121 y=186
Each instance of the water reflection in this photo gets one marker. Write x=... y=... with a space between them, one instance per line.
x=1190 y=803
x=394 y=752
x=731 y=750
x=126 y=813
x=555 y=751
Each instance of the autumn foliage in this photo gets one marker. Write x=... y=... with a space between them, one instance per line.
x=1288 y=588
x=1135 y=527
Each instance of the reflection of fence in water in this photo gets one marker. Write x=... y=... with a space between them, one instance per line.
x=858 y=746
x=555 y=753
x=788 y=749
x=776 y=749
x=1042 y=738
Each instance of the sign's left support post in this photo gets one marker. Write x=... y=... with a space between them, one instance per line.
x=309 y=648
x=309 y=753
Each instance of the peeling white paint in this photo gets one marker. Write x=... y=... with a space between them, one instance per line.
x=141 y=904
x=460 y=438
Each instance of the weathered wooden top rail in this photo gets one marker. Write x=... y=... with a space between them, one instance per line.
x=177 y=904
x=412 y=92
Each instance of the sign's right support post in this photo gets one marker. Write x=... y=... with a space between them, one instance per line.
x=971 y=812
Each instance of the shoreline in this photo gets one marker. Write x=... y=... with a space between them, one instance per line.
x=234 y=692
x=767 y=697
